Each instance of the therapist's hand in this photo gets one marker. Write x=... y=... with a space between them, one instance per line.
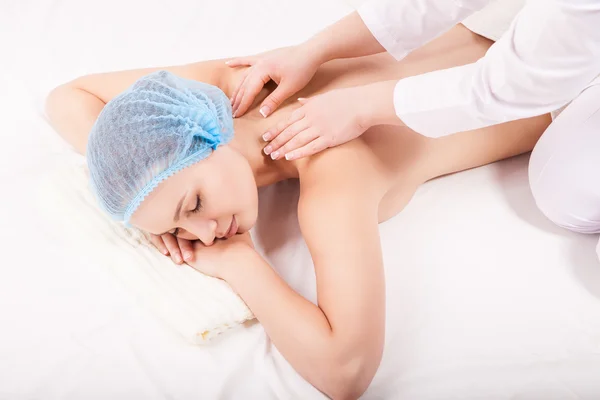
x=290 y=67
x=330 y=119
x=323 y=121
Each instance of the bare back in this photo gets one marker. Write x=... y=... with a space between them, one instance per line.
x=397 y=158
x=345 y=191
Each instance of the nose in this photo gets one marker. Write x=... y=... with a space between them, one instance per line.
x=204 y=230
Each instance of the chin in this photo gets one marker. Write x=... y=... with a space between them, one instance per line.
x=246 y=225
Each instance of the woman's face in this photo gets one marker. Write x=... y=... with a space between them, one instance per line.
x=214 y=198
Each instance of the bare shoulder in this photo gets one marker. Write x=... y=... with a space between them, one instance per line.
x=336 y=182
x=343 y=168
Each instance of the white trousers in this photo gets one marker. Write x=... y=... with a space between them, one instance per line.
x=564 y=169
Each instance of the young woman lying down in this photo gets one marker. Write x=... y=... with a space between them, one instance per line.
x=163 y=157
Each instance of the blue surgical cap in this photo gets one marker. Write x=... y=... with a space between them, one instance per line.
x=155 y=128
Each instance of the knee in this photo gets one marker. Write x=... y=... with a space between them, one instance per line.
x=564 y=191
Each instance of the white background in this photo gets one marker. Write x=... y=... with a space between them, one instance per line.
x=485 y=298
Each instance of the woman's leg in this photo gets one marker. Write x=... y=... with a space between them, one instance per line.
x=564 y=169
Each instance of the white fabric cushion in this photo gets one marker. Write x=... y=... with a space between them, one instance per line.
x=197 y=306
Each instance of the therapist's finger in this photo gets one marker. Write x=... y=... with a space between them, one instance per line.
x=236 y=92
x=240 y=94
x=173 y=246
x=281 y=93
x=298 y=141
x=284 y=137
x=274 y=131
x=187 y=249
x=253 y=85
x=240 y=61
x=317 y=145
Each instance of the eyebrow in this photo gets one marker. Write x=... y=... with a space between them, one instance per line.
x=177 y=214
x=178 y=210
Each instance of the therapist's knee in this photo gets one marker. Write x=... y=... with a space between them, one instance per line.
x=564 y=186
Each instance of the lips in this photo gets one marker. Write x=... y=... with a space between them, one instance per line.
x=232 y=228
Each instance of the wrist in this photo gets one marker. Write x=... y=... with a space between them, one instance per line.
x=378 y=109
x=316 y=50
x=240 y=261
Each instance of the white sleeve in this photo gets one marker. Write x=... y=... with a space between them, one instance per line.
x=549 y=55
x=404 y=25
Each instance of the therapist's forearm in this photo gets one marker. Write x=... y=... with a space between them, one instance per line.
x=347 y=38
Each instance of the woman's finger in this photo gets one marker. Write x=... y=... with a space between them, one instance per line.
x=317 y=145
x=240 y=61
x=300 y=140
x=173 y=246
x=288 y=133
x=253 y=85
x=186 y=249
x=159 y=244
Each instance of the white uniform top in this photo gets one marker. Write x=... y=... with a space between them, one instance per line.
x=550 y=53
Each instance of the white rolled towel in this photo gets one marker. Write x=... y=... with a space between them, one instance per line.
x=197 y=306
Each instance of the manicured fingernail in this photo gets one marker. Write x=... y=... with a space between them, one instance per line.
x=178 y=258
x=265 y=111
x=165 y=252
x=187 y=255
x=275 y=155
x=268 y=150
x=289 y=156
x=227 y=62
x=266 y=137
x=234 y=113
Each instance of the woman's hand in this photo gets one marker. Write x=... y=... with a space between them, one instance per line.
x=223 y=256
x=332 y=118
x=290 y=67
x=179 y=249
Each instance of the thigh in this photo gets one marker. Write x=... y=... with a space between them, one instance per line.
x=564 y=169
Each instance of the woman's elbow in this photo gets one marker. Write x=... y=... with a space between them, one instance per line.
x=72 y=112
x=349 y=383
x=55 y=106
x=52 y=100
x=350 y=377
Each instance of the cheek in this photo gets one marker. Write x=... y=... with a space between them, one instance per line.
x=232 y=191
x=237 y=199
x=240 y=189
x=249 y=208
x=187 y=236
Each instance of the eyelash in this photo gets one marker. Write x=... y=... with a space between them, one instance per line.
x=195 y=210
x=198 y=204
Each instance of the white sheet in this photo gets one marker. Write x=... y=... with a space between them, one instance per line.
x=486 y=299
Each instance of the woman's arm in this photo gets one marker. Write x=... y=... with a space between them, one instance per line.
x=336 y=345
x=73 y=107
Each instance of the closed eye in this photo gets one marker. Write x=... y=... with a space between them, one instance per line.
x=198 y=204
x=195 y=210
